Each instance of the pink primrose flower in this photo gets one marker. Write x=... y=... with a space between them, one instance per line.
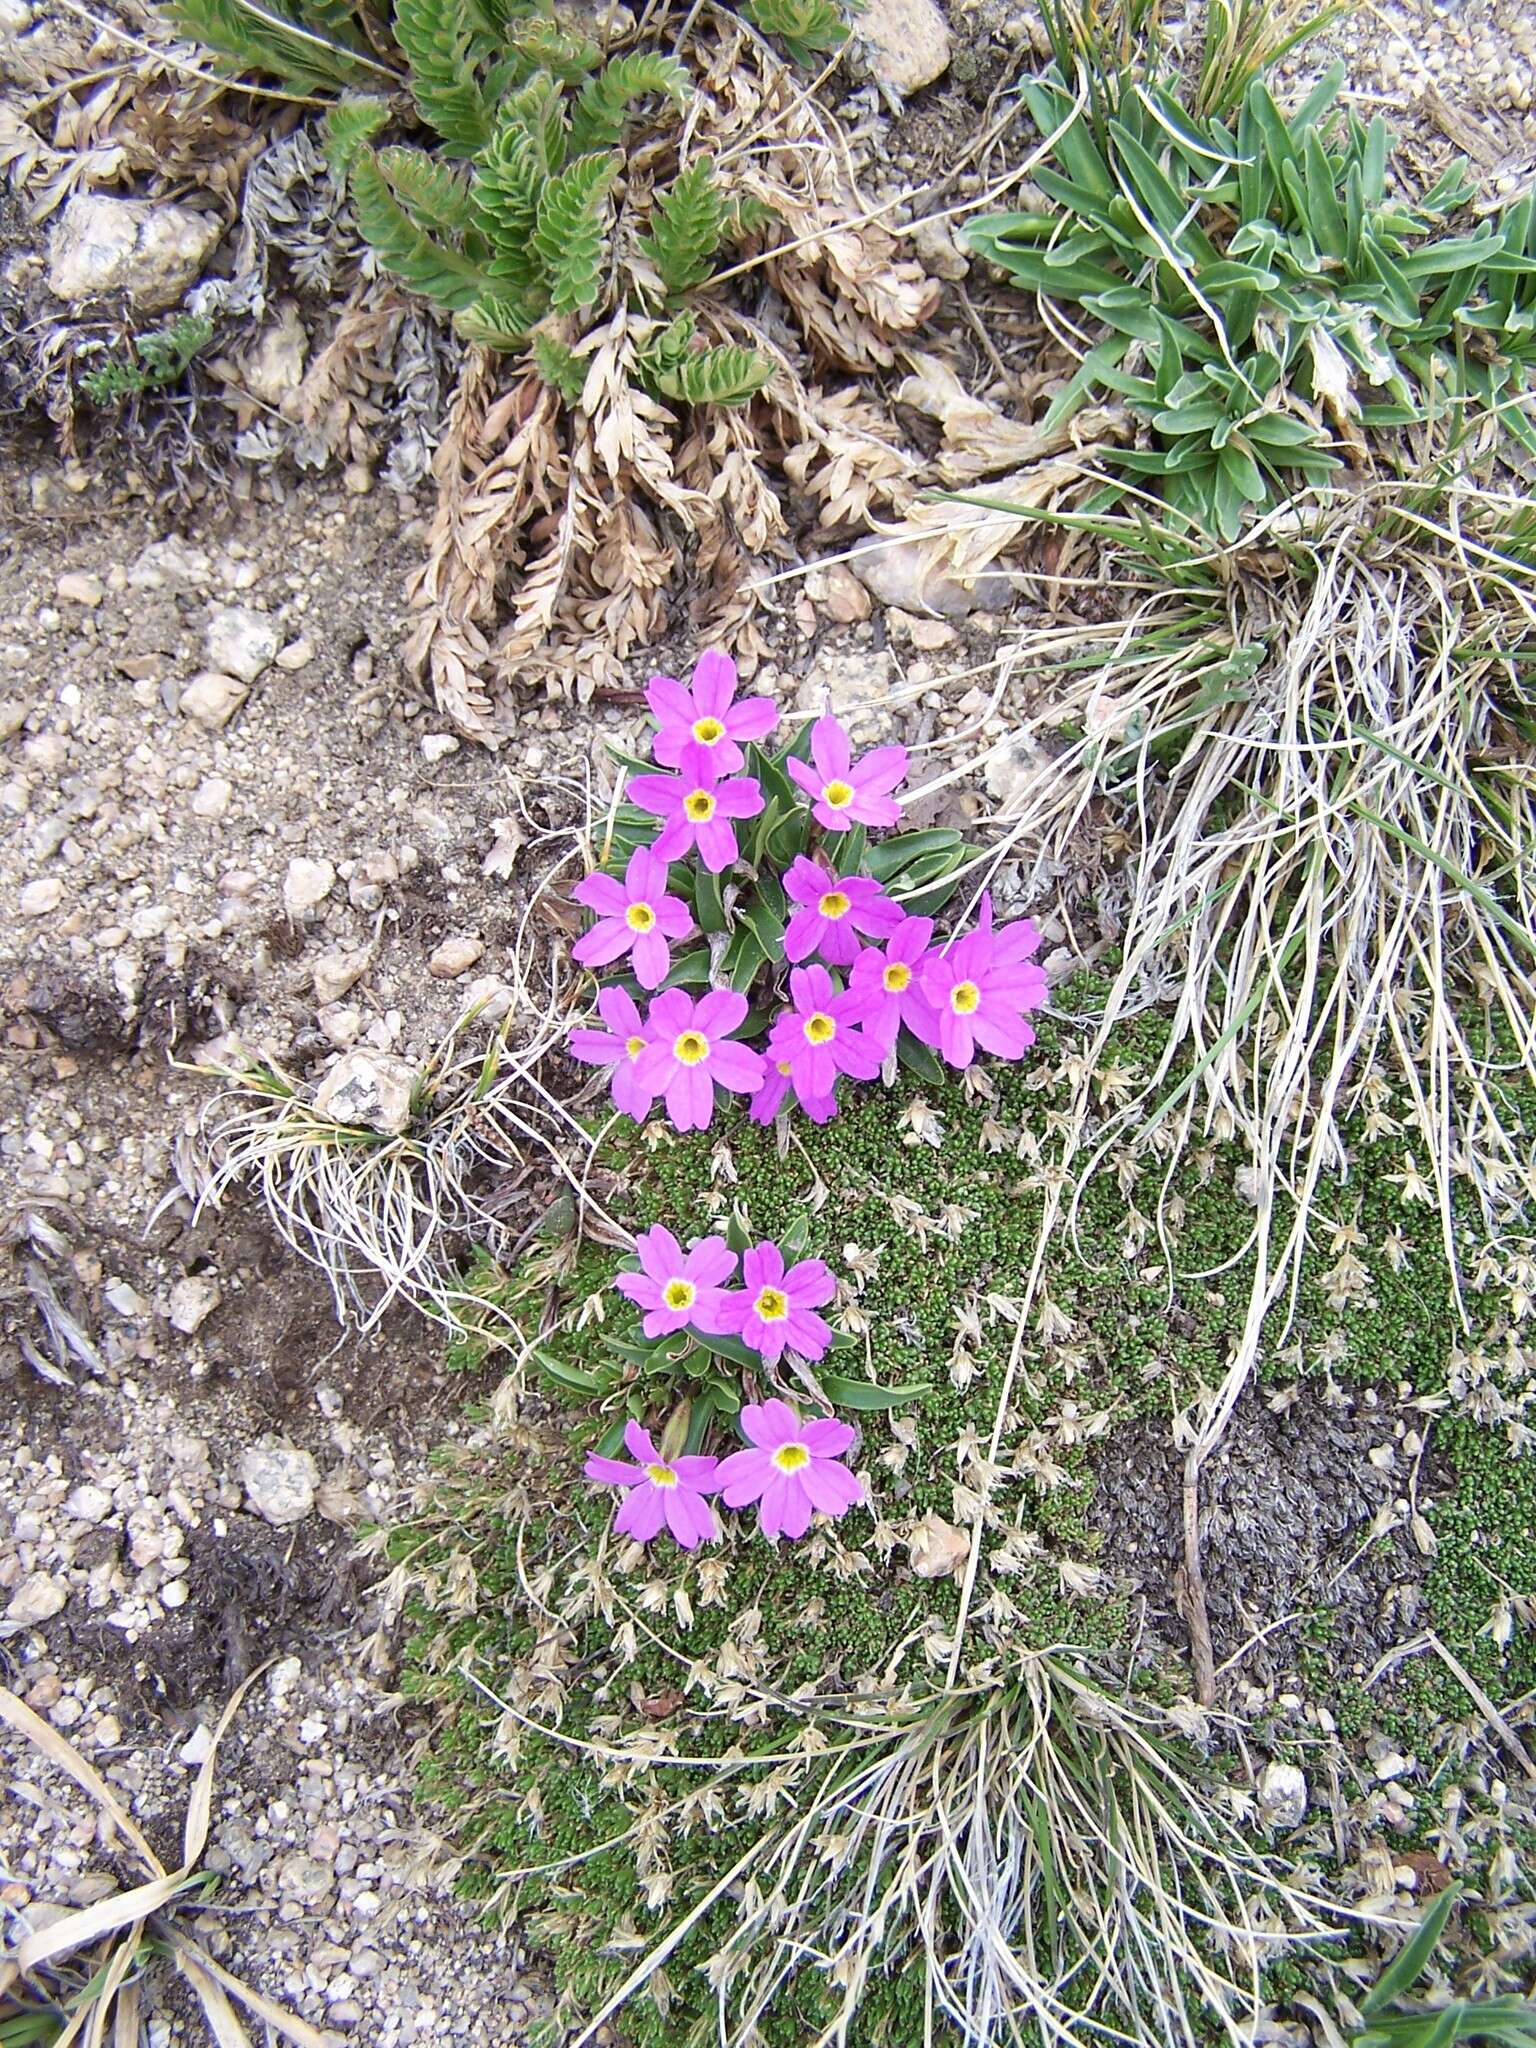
x=833 y=911
x=697 y=811
x=775 y=1310
x=845 y=792
x=674 y=1287
x=620 y=1047
x=818 y=1036
x=659 y=1492
x=980 y=986
x=888 y=986
x=690 y=1048
x=635 y=916
x=793 y=1469
x=704 y=716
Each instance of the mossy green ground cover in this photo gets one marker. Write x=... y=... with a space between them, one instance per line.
x=929 y=1205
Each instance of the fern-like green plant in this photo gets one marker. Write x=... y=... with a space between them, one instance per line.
x=517 y=219
x=152 y=361
x=808 y=29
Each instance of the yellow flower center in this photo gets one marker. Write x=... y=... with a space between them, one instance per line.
x=783 y=1066
x=772 y=1304
x=679 y=1294
x=820 y=1027
x=834 y=904
x=791 y=1457
x=707 y=730
x=896 y=977
x=690 y=1047
x=661 y=1475
x=699 y=806
x=640 y=917
x=634 y=1047
x=964 y=997
x=838 y=794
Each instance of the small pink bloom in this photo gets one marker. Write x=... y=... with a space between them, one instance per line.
x=674 y=1287
x=778 y=1082
x=659 y=1492
x=704 y=716
x=980 y=986
x=635 y=916
x=793 y=1468
x=819 y=1037
x=833 y=911
x=697 y=811
x=846 y=792
x=774 y=1313
x=620 y=1047
x=690 y=1048
x=887 y=985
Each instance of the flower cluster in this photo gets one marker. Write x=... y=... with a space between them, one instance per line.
x=791 y=1464
x=792 y=1468
x=868 y=979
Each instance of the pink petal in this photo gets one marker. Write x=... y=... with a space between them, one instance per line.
x=739 y=799
x=604 y=943
x=662 y=794
x=777 y=1423
x=772 y=1514
x=669 y=702
x=616 y=1007
x=830 y=1487
x=601 y=892
x=691 y=1098
x=673 y=917
x=878 y=773
x=710 y=1263
x=674 y=839
x=803 y=773
x=652 y=957
x=714 y=684
x=802 y=933
x=796 y=1513
x=736 y=1067
x=687 y=1517
x=697 y=1472
x=742 y=1476
x=612 y=1471
x=830 y=749
x=594 y=1048
x=752 y=719
x=642 y=1513
x=806 y=1333
x=640 y=1288
x=825 y=1437
x=718 y=1013
x=637 y=1441
x=716 y=843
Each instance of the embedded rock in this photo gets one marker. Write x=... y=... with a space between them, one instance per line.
x=279 y=1480
x=372 y=1088
x=907 y=40
x=102 y=244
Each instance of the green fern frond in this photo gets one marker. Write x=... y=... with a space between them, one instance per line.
x=670 y=367
x=746 y=216
x=554 y=50
x=505 y=196
x=499 y=320
x=348 y=125
x=403 y=246
x=687 y=227
x=806 y=28
x=560 y=366
x=537 y=111
x=255 y=36
x=432 y=192
x=602 y=108
x=568 y=240
x=437 y=38
x=490 y=20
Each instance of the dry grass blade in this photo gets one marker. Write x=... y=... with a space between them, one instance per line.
x=125 y=1930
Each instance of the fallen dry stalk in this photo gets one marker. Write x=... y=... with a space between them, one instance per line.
x=124 y=1929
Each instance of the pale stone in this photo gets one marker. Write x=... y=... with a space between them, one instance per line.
x=41 y=897
x=192 y=1301
x=102 y=244
x=212 y=699
x=307 y=883
x=336 y=971
x=211 y=798
x=279 y=1480
x=455 y=956
x=907 y=40
x=75 y=588
x=437 y=746
x=371 y=1088
x=1282 y=1795
x=89 y=1504
x=36 y=1600
x=241 y=642
x=274 y=363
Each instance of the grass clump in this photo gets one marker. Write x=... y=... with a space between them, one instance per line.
x=1263 y=300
